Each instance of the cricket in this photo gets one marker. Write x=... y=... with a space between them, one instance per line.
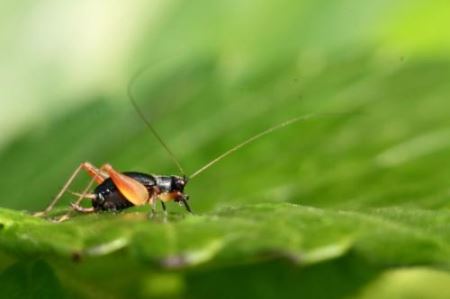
x=116 y=190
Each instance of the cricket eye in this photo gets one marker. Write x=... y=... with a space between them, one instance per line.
x=178 y=183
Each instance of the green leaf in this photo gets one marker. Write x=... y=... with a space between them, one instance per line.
x=232 y=238
x=33 y=279
x=304 y=235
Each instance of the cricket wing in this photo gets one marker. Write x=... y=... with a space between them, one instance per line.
x=133 y=190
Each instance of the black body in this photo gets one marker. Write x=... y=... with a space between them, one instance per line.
x=109 y=198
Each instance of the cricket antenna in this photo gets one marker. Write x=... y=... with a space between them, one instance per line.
x=146 y=121
x=261 y=134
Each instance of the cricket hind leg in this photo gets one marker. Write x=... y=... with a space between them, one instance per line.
x=98 y=175
x=80 y=209
x=76 y=205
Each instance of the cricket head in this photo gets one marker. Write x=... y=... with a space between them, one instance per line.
x=178 y=183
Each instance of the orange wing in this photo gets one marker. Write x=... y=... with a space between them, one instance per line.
x=133 y=190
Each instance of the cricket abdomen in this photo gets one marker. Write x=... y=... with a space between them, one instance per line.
x=109 y=198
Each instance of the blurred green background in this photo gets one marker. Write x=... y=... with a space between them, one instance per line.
x=219 y=72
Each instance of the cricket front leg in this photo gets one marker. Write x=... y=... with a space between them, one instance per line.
x=182 y=199
x=185 y=203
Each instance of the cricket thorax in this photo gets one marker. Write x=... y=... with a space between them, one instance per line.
x=172 y=183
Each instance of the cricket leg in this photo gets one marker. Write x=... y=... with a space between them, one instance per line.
x=152 y=203
x=79 y=208
x=164 y=207
x=98 y=175
x=184 y=200
x=76 y=205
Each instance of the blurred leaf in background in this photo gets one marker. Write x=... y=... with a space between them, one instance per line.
x=339 y=207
